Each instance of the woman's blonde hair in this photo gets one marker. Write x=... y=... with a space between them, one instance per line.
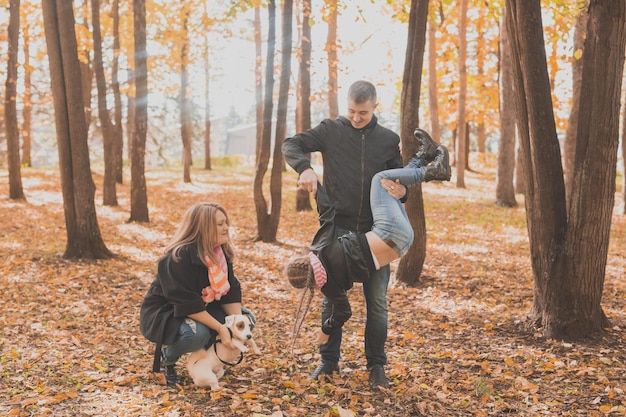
x=199 y=227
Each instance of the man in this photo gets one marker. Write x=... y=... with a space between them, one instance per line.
x=354 y=148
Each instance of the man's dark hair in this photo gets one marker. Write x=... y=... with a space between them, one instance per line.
x=362 y=91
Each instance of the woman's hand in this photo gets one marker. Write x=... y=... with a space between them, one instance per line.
x=321 y=338
x=224 y=336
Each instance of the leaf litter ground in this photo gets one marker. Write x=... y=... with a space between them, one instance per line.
x=457 y=345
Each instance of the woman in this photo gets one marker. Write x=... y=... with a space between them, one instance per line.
x=335 y=264
x=194 y=290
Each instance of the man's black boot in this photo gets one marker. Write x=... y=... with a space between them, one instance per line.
x=323 y=369
x=427 y=150
x=439 y=169
x=377 y=377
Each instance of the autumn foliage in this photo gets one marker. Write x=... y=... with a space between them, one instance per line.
x=70 y=343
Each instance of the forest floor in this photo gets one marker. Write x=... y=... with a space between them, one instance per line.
x=458 y=345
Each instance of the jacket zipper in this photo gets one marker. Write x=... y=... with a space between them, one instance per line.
x=358 y=219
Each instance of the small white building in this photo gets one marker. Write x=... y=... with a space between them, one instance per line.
x=241 y=140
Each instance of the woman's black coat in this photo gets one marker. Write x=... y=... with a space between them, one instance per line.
x=175 y=293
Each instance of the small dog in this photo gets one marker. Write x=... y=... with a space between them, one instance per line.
x=206 y=366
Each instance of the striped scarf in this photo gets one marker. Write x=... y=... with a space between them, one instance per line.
x=218 y=277
x=319 y=272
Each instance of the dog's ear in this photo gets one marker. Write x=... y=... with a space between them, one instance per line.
x=229 y=321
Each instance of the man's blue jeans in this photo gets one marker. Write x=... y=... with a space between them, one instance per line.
x=375 y=293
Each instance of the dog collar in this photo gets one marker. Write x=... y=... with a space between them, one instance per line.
x=222 y=360
x=230 y=331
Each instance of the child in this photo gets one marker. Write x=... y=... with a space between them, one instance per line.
x=335 y=264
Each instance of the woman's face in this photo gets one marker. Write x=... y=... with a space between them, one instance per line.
x=222 y=227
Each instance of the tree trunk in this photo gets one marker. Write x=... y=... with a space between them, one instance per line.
x=207 y=122
x=624 y=158
x=109 y=195
x=460 y=152
x=207 y=101
x=433 y=102
x=258 y=81
x=83 y=234
x=505 y=190
x=331 y=51
x=543 y=177
x=3 y=153
x=410 y=266
x=28 y=104
x=16 y=192
x=185 y=105
x=452 y=147
x=481 y=137
x=569 y=246
x=520 y=187
x=260 y=204
x=569 y=147
x=118 y=131
x=467 y=145
x=482 y=105
x=130 y=119
x=281 y=123
x=578 y=310
x=138 y=191
x=86 y=71
x=303 y=112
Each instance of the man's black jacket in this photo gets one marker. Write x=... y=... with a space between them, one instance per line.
x=351 y=158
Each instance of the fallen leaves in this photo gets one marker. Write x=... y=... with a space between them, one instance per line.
x=70 y=343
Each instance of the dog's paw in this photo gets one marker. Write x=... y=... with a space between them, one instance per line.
x=254 y=346
x=240 y=345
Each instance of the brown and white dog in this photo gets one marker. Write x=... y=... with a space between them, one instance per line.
x=205 y=367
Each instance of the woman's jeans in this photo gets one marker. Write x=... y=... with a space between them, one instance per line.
x=193 y=335
x=375 y=293
x=391 y=223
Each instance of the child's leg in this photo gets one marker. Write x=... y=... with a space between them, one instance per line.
x=382 y=253
x=391 y=223
x=408 y=175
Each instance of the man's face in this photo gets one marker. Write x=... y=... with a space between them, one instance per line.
x=360 y=114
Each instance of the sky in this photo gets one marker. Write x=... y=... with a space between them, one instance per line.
x=372 y=48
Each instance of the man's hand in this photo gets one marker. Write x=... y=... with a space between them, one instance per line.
x=321 y=338
x=397 y=190
x=308 y=181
